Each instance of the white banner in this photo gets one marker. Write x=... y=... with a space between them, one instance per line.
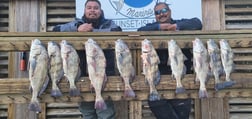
x=132 y=14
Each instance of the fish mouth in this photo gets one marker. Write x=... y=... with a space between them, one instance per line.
x=145 y=51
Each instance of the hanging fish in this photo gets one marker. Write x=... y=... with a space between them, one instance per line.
x=176 y=61
x=227 y=57
x=125 y=66
x=96 y=63
x=71 y=67
x=56 y=71
x=201 y=66
x=38 y=73
x=151 y=72
x=215 y=63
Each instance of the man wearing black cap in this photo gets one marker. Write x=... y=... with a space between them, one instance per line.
x=171 y=108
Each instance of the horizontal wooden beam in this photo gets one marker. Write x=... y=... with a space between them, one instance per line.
x=16 y=41
x=17 y=91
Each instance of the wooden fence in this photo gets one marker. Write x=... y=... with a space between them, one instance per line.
x=16 y=90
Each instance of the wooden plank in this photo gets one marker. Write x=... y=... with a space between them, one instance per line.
x=4 y=20
x=213 y=108
x=61 y=12
x=62 y=4
x=197 y=109
x=22 y=42
x=243 y=67
x=12 y=86
x=238 y=18
x=4 y=12
x=235 y=2
x=240 y=101
x=242 y=50
x=56 y=105
x=211 y=20
x=135 y=110
x=240 y=108
x=122 y=109
x=240 y=116
x=59 y=20
x=4 y=29
x=236 y=26
x=42 y=115
x=63 y=112
x=238 y=10
x=43 y=16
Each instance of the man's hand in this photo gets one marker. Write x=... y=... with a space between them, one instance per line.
x=168 y=27
x=85 y=28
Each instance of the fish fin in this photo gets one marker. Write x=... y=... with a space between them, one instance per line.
x=133 y=74
x=203 y=93
x=56 y=93
x=78 y=75
x=219 y=86
x=154 y=96
x=74 y=92
x=229 y=84
x=157 y=78
x=33 y=64
x=100 y=104
x=128 y=92
x=44 y=86
x=30 y=88
x=104 y=82
x=173 y=77
x=34 y=106
x=169 y=62
x=61 y=76
x=120 y=58
x=184 y=71
x=194 y=64
x=185 y=58
x=121 y=78
x=146 y=81
x=180 y=90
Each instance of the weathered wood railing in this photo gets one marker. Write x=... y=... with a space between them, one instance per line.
x=17 y=91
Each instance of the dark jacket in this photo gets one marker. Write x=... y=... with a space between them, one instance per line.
x=103 y=25
x=183 y=24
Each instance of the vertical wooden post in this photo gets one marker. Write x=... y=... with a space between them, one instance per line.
x=214 y=108
x=213 y=19
x=11 y=114
x=135 y=110
x=122 y=109
x=211 y=15
x=24 y=16
x=197 y=109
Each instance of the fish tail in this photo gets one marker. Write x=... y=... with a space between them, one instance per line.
x=180 y=90
x=56 y=93
x=129 y=92
x=203 y=93
x=74 y=92
x=228 y=83
x=100 y=104
x=34 y=106
x=157 y=78
x=154 y=96
x=219 y=86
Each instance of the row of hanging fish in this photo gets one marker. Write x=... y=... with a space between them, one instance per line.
x=63 y=61
x=212 y=61
x=206 y=62
x=51 y=63
x=57 y=62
